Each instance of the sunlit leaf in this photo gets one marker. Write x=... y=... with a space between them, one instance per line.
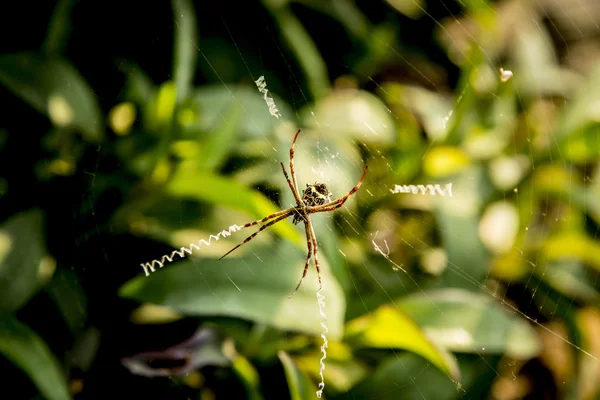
x=21 y=253
x=411 y=8
x=354 y=113
x=27 y=350
x=189 y=182
x=162 y=106
x=299 y=385
x=582 y=109
x=539 y=73
x=342 y=369
x=255 y=287
x=53 y=87
x=387 y=327
x=588 y=324
x=499 y=227
x=121 y=117
x=469 y=322
x=444 y=161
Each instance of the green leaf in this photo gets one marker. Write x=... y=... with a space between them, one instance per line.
x=581 y=109
x=59 y=28
x=302 y=45
x=539 y=72
x=299 y=385
x=190 y=182
x=472 y=323
x=387 y=327
x=69 y=296
x=21 y=252
x=186 y=53
x=407 y=377
x=249 y=377
x=255 y=122
x=458 y=219
x=216 y=148
x=582 y=146
x=255 y=287
x=53 y=87
x=161 y=108
x=411 y=8
x=430 y=107
x=27 y=350
x=569 y=278
x=139 y=88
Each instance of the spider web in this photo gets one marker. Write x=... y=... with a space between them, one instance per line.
x=401 y=248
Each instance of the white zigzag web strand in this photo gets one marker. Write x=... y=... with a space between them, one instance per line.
x=423 y=189
x=321 y=301
x=262 y=87
x=149 y=267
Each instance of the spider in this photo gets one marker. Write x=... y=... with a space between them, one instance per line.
x=315 y=198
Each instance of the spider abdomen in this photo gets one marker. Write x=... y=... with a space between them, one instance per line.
x=316 y=195
x=313 y=195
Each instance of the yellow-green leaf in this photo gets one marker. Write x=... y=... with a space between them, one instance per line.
x=21 y=345
x=573 y=245
x=444 y=161
x=387 y=327
x=299 y=385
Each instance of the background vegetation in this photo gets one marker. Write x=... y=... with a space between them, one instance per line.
x=132 y=130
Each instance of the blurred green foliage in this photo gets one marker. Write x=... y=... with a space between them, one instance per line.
x=491 y=293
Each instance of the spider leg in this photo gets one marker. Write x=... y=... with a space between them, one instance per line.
x=315 y=250
x=292 y=171
x=309 y=244
x=268 y=217
x=339 y=202
x=294 y=191
x=265 y=226
x=334 y=207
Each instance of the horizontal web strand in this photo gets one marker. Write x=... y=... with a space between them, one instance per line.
x=423 y=189
x=151 y=266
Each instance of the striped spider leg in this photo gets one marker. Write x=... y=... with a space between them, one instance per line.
x=315 y=198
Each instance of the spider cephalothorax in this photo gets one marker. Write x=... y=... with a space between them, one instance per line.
x=315 y=198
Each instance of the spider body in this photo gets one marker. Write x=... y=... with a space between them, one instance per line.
x=316 y=195
x=315 y=198
x=313 y=195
